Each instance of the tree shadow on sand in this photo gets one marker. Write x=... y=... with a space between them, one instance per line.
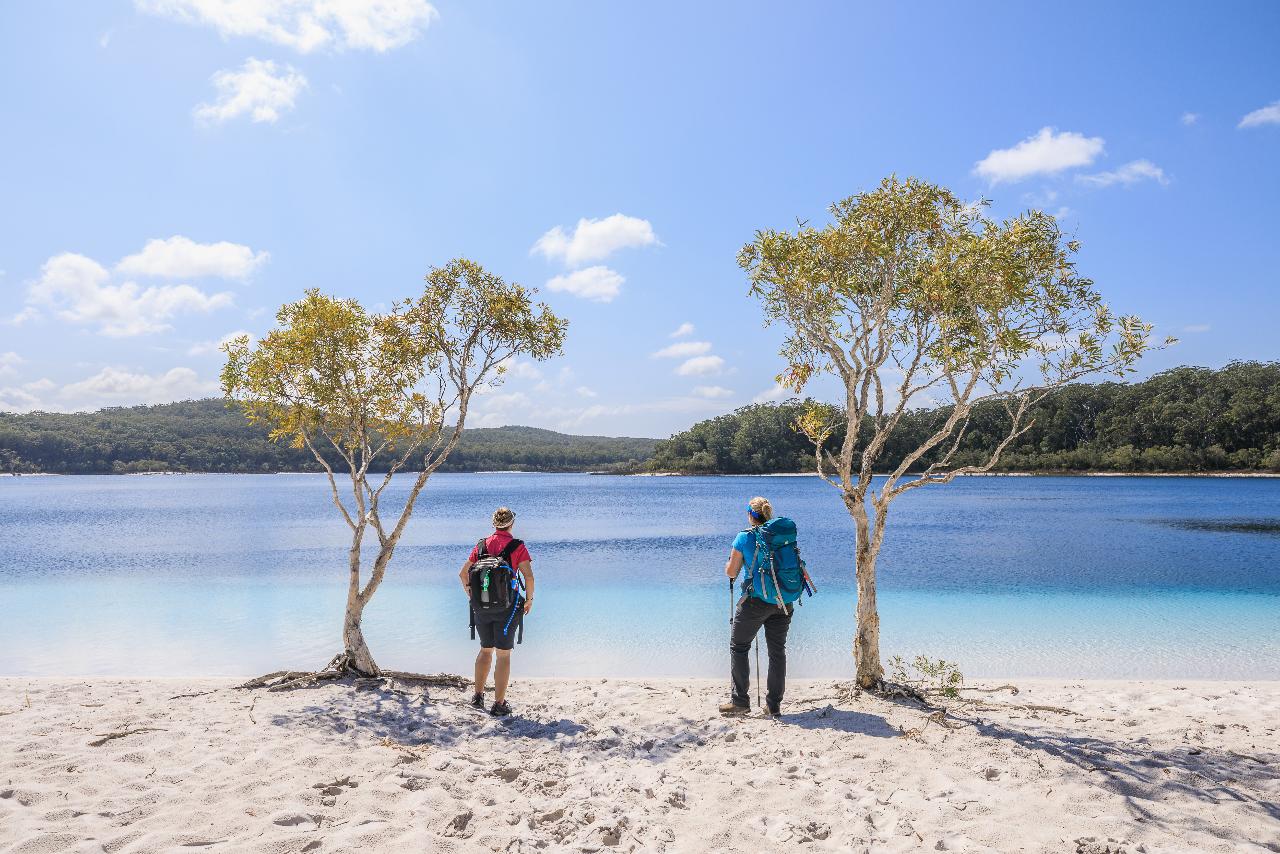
x=1143 y=774
x=414 y=718
x=842 y=720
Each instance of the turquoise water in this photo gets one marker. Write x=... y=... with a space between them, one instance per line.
x=239 y=574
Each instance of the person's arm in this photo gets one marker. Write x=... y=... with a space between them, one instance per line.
x=526 y=569
x=462 y=576
x=734 y=566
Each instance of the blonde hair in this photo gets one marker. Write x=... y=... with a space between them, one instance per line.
x=763 y=507
x=503 y=518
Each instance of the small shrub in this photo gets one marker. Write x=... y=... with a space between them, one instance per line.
x=930 y=675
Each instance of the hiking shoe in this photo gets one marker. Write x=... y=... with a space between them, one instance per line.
x=478 y=701
x=500 y=710
x=733 y=709
x=772 y=710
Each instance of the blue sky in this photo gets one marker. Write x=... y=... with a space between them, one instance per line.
x=173 y=170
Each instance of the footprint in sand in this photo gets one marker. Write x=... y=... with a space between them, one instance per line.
x=329 y=791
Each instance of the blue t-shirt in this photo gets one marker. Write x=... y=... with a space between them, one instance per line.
x=745 y=544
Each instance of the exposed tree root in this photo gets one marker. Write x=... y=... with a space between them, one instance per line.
x=340 y=669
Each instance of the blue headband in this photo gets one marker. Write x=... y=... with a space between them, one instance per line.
x=751 y=511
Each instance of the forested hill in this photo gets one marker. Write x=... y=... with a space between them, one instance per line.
x=206 y=436
x=1182 y=420
x=1186 y=419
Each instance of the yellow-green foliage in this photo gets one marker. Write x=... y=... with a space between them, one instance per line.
x=386 y=382
x=911 y=259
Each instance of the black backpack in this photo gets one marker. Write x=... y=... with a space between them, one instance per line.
x=496 y=587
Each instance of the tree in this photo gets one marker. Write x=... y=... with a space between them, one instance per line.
x=912 y=296
x=358 y=389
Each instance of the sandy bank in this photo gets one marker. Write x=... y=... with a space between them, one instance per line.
x=633 y=766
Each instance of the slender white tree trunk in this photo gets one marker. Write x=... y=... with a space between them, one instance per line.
x=355 y=652
x=866 y=639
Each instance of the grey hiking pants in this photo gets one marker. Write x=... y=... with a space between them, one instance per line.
x=751 y=615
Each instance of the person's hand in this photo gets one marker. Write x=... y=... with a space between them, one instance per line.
x=466 y=591
x=528 y=605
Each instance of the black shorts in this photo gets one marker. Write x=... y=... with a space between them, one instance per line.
x=489 y=628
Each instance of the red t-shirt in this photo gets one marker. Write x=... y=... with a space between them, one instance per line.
x=496 y=542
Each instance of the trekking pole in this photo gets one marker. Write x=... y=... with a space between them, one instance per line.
x=731 y=601
x=759 y=704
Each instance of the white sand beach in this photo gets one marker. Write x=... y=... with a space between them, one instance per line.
x=107 y=765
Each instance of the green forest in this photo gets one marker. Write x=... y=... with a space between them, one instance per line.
x=1182 y=420
x=1185 y=419
x=208 y=436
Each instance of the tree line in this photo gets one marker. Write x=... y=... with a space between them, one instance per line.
x=1185 y=419
x=210 y=436
x=1182 y=420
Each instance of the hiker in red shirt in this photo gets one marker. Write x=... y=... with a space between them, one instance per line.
x=498 y=580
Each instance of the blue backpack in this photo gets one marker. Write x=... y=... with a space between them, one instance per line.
x=778 y=576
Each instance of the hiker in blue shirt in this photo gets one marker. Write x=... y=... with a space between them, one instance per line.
x=775 y=580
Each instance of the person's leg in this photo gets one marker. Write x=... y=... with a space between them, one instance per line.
x=746 y=623
x=775 y=637
x=501 y=675
x=484 y=660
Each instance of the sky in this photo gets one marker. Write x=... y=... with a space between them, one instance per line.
x=172 y=171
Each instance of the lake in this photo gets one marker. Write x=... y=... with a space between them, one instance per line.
x=1086 y=577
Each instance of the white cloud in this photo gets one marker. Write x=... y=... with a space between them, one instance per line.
x=506 y=401
x=180 y=257
x=584 y=391
x=18 y=400
x=701 y=366
x=306 y=25
x=27 y=314
x=1127 y=175
x=78 y=290
x=1268 y=115
x=567 y=418
x=495 y=410
x=1062 y=213
x=204 y=348
x=259 y=89
x=594 y=283
x=595 y=239
x=712 y=392
x=1189 y=118
x=1046 y=153
x=109 y=387
x=114 y=386
x=682 y=330
x=683 y=350
x=522 y=370
x=772 y=395
x=9 y=363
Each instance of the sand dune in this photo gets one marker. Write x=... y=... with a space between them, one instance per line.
x=632 y=766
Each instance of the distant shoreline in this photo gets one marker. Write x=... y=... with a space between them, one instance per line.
x=1207 y=474
x=1217 y=474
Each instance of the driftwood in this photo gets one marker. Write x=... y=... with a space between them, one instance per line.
x=1012 y=689
x=103 y=738
x=194 y=694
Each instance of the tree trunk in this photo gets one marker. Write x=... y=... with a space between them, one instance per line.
x=866 y=640
x=355 y=653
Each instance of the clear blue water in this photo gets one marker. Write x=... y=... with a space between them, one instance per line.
x=240 y=574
